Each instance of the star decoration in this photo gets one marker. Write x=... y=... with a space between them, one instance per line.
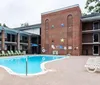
x=62 y=40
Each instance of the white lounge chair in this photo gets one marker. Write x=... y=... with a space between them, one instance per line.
x=93 y=64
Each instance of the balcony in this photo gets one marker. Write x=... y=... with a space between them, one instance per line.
x=22 y=43
x=23 y=39
x=91 y=43
x=90 y=31
x=10 y=42
x=91 y=27
x=91 y=38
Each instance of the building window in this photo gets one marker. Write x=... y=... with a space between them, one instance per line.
x=46 y=29
x=47 y=35
x=70 y=26
x=70 y=20
x=46 y=24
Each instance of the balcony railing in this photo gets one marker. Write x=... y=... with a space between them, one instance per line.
x=7 y=42
x=91 y=43
x=91 y=31
x=24 y=41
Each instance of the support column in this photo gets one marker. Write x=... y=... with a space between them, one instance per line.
x=18 y=41
x=3 y=40
x=38 y=45
x=29 y=44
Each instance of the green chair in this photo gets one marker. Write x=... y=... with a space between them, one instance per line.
x=23 y=52
x=20 y=52
x=0 y=54
x=17 y=52
x=9 y=53
x=12 y=52
x=3 y=53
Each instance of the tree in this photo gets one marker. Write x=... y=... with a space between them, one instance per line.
x=24 y=24
x=93 y=6
x=83 y=14
x=4 y=25
x=0 y=24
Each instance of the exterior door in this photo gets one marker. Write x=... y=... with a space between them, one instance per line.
x=95 y=25
x=95 y=50
x=96 y=37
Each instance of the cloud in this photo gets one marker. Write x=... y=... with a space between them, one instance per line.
x=15 y=12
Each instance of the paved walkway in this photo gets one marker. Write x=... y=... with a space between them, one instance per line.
x=69 y=71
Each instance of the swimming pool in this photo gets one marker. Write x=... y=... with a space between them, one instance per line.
x=17 y=65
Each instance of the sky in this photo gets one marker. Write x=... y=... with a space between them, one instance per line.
x=15 y=12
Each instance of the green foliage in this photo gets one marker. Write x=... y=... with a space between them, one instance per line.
x=93 y=6
x=24 y=24
x=0 y=24
x=83 y=14
x=4 y=25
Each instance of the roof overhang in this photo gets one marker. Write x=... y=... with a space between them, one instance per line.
x=28 y=27
x=90 y=19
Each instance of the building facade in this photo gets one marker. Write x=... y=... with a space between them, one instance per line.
x=66 y=31
x=18 y=39
x=61 y=31
x=35 y=37
x=13 y=40
x=91 y=34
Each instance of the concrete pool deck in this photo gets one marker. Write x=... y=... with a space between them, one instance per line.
x=69 y=71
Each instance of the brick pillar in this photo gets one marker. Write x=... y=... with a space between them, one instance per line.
x=2 y=40
x=29 y=44
x=18 y=41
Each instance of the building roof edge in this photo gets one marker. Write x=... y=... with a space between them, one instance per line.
x=56 y=10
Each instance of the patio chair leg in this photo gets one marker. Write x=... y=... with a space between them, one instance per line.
x=91 y=70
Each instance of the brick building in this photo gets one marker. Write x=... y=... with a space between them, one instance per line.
x=61 y=31
x=66 y=31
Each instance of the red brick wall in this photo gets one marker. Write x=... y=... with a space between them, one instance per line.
x=58 y=32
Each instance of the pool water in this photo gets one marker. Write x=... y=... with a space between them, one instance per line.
x=18 y=64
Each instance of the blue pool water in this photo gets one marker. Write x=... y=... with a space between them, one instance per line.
x=18 y=64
